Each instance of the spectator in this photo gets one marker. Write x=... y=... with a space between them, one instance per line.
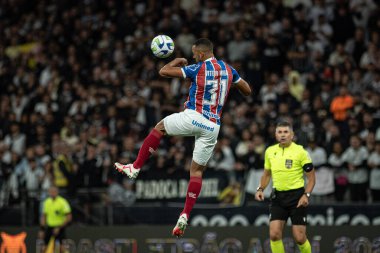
x=336 y=162
x=231 y=195
x=339 y=107
x=238 y=47
x=369 y=58
x=374 y=166
x=356 y=156
x=184 y=41
x=33 y=178
x=15 y=140
x=323 y=30
x=356 y=46
x=338 y=57
x=122 y=194
x=298 y=54
x=63 y=168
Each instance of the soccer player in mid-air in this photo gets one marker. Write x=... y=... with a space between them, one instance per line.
x=211 y=80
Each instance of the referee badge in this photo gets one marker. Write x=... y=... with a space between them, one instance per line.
x=288 y=163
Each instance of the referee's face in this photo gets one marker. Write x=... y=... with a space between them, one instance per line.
x=284 y=136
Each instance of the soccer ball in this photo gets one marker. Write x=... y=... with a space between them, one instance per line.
x=162 y=46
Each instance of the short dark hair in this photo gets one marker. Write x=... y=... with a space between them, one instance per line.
x=206 y=44
x=284 y=124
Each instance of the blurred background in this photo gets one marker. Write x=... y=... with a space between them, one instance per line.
x=79 y=90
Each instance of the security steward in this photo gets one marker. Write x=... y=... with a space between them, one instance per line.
x=55 y=218
x=286 y=163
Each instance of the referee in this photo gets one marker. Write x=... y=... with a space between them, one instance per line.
x=56 y=216
x=287 y=162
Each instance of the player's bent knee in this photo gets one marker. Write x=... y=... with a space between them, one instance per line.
x=160 y=126
x=275 y=235
x=299 y=238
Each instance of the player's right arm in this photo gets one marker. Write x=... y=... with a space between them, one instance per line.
x=264 y=181
x=265 y=178
x=173 y=68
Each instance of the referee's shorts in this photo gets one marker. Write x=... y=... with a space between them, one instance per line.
x=284 y=205
x=49 y=233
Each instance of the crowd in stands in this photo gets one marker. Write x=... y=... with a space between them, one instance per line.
x=79 y=89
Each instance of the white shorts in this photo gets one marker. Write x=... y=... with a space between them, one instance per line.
x=192 y=123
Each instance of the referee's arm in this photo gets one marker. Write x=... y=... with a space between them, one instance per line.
x=310 y=175
x=310 y=181
x=264 y=181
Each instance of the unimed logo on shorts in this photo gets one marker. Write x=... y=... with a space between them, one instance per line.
x=196 y=123
x=13 y=243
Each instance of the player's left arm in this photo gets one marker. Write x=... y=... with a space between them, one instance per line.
x=310 y=181
x=173 y=68
x=242 y=85
x=67 y=211
x=309 y=170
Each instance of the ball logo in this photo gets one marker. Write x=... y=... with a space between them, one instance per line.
x=13 y=243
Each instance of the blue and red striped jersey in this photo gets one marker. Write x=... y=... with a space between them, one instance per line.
x=210 y=84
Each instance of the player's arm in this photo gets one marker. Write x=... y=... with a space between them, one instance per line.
x=173 y=68
x=308 y=168
x=265 y=178
x=264 y=181
x=243 y=87
x=67 y=211
x=43 y=220
x=68 y=219
x=240 y=83
x=310 y=181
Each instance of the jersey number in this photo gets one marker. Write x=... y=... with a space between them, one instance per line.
x=212 y=87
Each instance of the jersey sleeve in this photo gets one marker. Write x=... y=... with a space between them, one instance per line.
x=191 y=70
x=235 y=75
x=267 y=164
x=66 y=207
x=305 y=157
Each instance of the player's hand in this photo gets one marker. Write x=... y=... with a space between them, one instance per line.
x=55 y=231
x=41 y=234
x=304 y=201
x=181 y=62
x=259 y=196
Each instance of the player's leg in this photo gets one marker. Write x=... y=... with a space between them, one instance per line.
x=203 y=148
x=60 y=237
x=48 y=234
x=298 y=217
x=275 y=234
x=279 y=214
x=299 y=235
x=193 y=190
x=176 y=124
x=149 y=146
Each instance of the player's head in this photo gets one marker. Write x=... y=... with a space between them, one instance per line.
x=53 y=192
x=284 y=133
x=202 y=49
